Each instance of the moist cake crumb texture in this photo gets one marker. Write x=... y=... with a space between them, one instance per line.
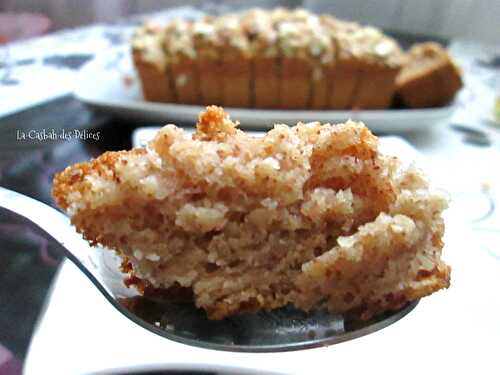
x=310 y=215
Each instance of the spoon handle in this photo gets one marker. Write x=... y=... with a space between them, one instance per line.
x=51 y=223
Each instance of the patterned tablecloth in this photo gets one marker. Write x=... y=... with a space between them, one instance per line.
x=462 y=157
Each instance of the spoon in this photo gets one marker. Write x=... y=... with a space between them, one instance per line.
x=283 y=329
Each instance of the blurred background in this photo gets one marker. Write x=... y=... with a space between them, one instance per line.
x=467 y=19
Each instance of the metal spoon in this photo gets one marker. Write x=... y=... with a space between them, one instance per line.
x=283 y=329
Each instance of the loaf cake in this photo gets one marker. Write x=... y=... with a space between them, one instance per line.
x=429 y=78
x=311 y=215
x=283 y=58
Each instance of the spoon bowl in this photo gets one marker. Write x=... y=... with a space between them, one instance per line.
x=283 y=329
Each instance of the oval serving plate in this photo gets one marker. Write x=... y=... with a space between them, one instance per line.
x=119 y=93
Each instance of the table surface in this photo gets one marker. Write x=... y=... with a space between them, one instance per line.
x=457 y=329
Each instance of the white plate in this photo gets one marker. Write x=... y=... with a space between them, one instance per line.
x=109 y=83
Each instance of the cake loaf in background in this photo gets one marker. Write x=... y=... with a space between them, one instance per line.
x=289 y=59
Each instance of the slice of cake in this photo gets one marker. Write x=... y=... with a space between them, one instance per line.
x=181 y=55
x=429 y=78
x=236 y=59
x=151 y=63
x=322 y=55
x=311 y=215
x=262 y=37
x=367 y=63
x=208 y=60
x=382 y=60
x=295 y=67
x=344 y=73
